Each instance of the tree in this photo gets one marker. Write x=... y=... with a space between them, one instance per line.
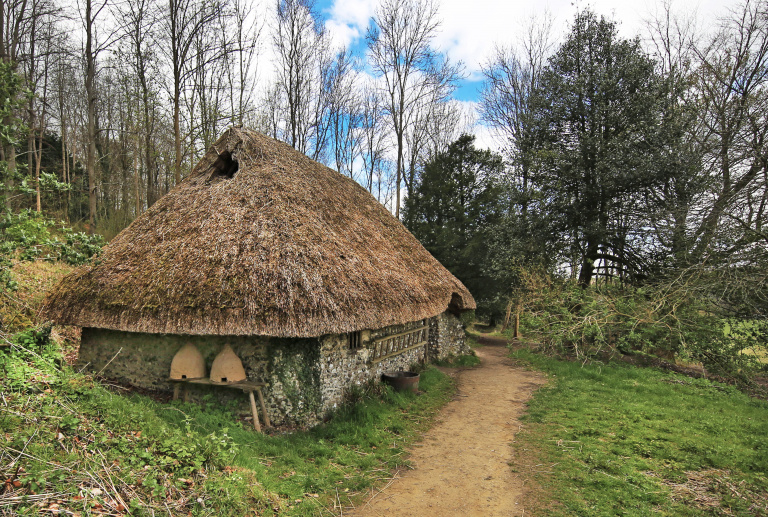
x=597 y=108
x=11 y=100
x=301 y=46
x=373 y=145
x=680 y=161
x=184 y=22
x=454 y=206
x=731 y=99
x=410 y=70
x=512 y=76
x=241 y=64
x=138 y=19
x=92 y=50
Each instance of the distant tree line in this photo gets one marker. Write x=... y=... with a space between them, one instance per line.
x=118 y=100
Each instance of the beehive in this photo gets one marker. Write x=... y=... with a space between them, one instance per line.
x=227 y=367
x=188 y=363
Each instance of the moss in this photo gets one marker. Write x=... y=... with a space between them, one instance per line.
x=296 y=365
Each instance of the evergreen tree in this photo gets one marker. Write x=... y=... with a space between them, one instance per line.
x=598 y=109
x=456 y=204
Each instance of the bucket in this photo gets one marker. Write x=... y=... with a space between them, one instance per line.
x=402 y=381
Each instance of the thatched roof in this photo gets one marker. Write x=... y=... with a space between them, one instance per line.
x=259 y=240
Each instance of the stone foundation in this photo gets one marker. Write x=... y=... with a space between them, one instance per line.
x=307 y=379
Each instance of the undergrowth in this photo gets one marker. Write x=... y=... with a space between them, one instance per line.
x=74 y=447
x=28 y=235
x=459 y=361
x=35 y=252
x=669 y=320
x=621 y=440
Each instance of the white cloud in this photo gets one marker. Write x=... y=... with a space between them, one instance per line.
x=353 y=12
x=470 y=29
x=348 y=20
x=342 y=35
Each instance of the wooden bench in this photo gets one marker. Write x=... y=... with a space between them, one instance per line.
x=244 y=386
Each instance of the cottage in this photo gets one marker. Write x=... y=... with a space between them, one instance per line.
x=314 y=285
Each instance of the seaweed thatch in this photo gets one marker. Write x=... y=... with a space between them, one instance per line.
x=259 y=240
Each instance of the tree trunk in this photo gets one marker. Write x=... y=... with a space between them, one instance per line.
x=176 y=133
x=90 y=75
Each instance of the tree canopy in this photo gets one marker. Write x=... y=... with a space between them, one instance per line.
x=455 y=205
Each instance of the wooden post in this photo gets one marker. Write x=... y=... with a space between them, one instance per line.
x=175 y=391
x=507 y=316
x=255 y=413
x=263 y=408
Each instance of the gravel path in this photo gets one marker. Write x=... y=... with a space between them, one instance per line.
x=462 y=465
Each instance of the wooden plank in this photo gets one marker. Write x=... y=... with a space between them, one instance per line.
x=205 y=381
x=245 y=386
x=379 y=340
x=398 y=352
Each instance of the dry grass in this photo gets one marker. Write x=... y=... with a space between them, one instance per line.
x=705 y=489
x=285 y=247
x=19 y=309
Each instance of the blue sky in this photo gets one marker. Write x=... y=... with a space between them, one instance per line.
x=471 y=28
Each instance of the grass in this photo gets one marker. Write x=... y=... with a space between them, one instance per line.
x=18 y=309
x=621 y=440
x=459 y=361
x=71 y=445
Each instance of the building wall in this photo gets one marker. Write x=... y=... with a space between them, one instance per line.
x=342 y=368
x=446 y=337
x=306 y=378
x=144 y=360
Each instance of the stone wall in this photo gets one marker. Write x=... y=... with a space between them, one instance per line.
x=446 y=337
x=342 y=368
x=288 y=366
x=306 y=378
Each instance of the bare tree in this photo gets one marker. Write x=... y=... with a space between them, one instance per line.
x=511 y=77
x=240 y=66
x=732 y=102
x=673 y=39
x=302 y=49
x=373 y=141
x=343 y=114
x=183 y=23
x=139 y=21
x=410 y=69
x=93 y=47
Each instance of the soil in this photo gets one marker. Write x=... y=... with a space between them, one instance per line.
x=462 y=466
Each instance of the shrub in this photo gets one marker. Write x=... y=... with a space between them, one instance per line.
x=666 y=319
x=29 y=235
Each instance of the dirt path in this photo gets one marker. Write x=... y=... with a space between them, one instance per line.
x=462 y=465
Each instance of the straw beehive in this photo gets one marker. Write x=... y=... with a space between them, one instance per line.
x=188 y=363
x=227 y=367
x=259 y=240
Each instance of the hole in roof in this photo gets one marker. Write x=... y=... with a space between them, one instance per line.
x=457 y=304
x=224 y=167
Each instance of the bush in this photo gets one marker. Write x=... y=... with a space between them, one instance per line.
x=29 y=235
x=666 y=320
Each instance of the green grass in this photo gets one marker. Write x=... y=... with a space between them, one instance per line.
x=459 y=361
x=620 y=440
x=71 y=443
